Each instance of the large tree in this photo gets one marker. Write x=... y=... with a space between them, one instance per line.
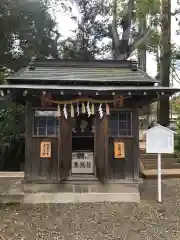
x=127 y=29
x=165 y=61
x=91 y=29
x=123 y=22
x=26 y=30
x=133 y=28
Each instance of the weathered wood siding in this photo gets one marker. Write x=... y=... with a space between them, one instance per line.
x=65 y=148
x=57 y=168
x=136 y=151
x=43 y=168
x=127 y=168
x=121 y=168
x=37 y=168
x=101 y=148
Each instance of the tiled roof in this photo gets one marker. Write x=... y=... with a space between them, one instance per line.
x=99 y=71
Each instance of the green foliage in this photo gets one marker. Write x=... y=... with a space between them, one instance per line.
x=176 y=13
x=148 y=7
x=91 y=32
x=175 y=103
x=26 y=30
x=91 y=29
x=177 y=139
x=176 y=53
x=11 y=121
x=37 y=31
x=11 y=133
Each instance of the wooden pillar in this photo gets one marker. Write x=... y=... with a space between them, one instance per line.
x=136 y=155
x=101 y=148
x=65 y=148
x=28 y=137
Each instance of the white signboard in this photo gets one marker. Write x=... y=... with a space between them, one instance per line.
x=159 y=140
x=82 y=163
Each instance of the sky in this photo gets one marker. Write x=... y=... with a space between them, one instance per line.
x=66 y=25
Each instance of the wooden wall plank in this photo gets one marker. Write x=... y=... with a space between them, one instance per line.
x=28 y=139
x=66 y=147
x=121 y=168
x=129 y=153
x=136 y=150
x=101 y=148
x=37 y=168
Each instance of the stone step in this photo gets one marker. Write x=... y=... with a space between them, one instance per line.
x=162 y=162
x=165 y=166
x=166 y=173
x=15 y=191
x=175 y=160
x=11 y=198
x=37 y=198
x=151 y=156
x=79 y=187
x=168 y=161
x=165 y=161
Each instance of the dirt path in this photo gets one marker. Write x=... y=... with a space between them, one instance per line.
x=103 y=221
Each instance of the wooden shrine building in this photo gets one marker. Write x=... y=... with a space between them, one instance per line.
x=82 y=121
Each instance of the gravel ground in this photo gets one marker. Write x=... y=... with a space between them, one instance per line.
x=102 y=221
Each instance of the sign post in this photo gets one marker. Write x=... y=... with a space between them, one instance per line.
x=159 y=140
x=159 y=179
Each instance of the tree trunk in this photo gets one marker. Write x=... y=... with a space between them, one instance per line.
x=142 y=48
x=115 y=36
x=142 y=58
x=163 y=108
x=121 y=47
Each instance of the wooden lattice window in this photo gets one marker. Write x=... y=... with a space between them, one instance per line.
x=120 y=124
x=45 y=123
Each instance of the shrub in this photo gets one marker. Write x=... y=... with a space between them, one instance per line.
x=177 y=139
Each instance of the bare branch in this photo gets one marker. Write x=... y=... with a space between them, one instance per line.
x=127 y=19
x=114 y=32
x=140 y=40
x=126 y=25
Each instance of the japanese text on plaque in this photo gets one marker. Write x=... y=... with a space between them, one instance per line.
x=82 y=164
x=45 y=150
x=119 y=150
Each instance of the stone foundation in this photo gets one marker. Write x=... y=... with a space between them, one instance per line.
x=13 y=189
x=78 y=192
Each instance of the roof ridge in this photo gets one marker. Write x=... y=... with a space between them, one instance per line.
x=80 y=63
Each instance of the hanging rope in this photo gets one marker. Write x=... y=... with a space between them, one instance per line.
x=85 y=106
x=90 y=100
